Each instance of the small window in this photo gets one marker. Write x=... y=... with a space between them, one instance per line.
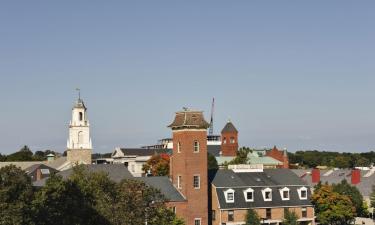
x=179 y=182
x=196 y=146
x=232 y=140
x=284 y=192
x=249 y=195
x=229 y=196
x=267 y=194
x=197 y=221
x=230 y=215
x=268 y=213
x=304 y=212
x=80 y=116
x=213 y=215
x=196 y=182
x=302 y=192
x=179 y=147
x=224 y=140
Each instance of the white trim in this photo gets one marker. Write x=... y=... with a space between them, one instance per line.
x=282 y=190
x=198 y=219
x=229 y=191
x=249 y=190
x=299 y=190
x=196 y=142
x=264 y=194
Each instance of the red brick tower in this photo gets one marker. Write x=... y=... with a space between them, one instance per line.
x=188 y=165
x=229 y=140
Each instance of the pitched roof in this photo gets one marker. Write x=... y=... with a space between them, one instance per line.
x=229 y=128
x=165 y=186
x=269 y=178
x=214 y=150
x=189 y=119
x=32 y=168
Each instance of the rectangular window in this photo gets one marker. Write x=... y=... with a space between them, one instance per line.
x=304 y=212
x=285 y=194
x=197 y=221
x=230 y=215
x=213 y=215
x=232 y=140
x=179 y=182
x=196 y=182
x=249 y=196
x=268 y=214
x=303 y=194
x=230 y=196
x=268 y=195
x=196 y=146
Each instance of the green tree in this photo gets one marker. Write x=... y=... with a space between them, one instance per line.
x=332 y=208
x=290 y=218
x=16 y=194
x=355 y=196
x=372 y=197
x=3 y=158
x=252 y=218
x=211 y=162
x=158 y=165
x=25 y=154
x=241 y=157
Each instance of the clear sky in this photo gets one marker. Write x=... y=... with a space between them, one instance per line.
x=296 y=74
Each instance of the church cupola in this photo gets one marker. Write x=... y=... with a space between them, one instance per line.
x=79 y=143
x=229 y=140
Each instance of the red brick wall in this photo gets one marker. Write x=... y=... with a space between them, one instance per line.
x=186 y=164
x=229 y=149
x=279 y=155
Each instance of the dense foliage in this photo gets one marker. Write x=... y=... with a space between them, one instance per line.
x=332 y=208
x=211 y=162
x=157 y=165
x=315 y=158
x=241 y=157
x=83 y=198
x=372 y=197
x=252 y=218
x=355 y=196
x=25 y=154
x=290 y=218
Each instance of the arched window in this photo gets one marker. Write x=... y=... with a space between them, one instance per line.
x=80 y=116
x=232 y=140
x=224 y=140
x=196 y=146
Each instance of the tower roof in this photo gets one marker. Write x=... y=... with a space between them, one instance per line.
x=79 y=104
x=189 y=119
x=229 y=128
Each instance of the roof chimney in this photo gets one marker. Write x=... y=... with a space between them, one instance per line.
x=356 y=176
x=315 y=176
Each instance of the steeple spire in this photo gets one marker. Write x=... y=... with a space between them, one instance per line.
x=79 y=93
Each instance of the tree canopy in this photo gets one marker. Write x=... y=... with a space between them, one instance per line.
x=290 y=218
x=83 y=198
x=211 y=162
x=332 y=208
x=372 y=197
x=158 y=165
x=252 y=218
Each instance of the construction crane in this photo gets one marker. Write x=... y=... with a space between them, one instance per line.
x=211 y=130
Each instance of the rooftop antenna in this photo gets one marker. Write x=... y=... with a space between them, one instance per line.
x=79 y=93
x=211 y=130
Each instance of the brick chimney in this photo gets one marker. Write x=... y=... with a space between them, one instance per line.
x=315 y=176
x=356 y=176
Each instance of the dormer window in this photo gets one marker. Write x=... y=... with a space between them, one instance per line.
x=196 y=146
x=284 y=192
x=267 y=194
x=249 y=195
x=229 y=196
x=302 y=193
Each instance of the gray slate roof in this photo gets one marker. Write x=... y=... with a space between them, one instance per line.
x=214 y=150
x=365 y=186
x=165 y=186
x=141 y=151
x=271 y=178
x=229 y=128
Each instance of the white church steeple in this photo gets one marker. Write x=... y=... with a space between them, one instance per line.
x=79 y=146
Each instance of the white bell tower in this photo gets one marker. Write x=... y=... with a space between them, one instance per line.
x=79 y=146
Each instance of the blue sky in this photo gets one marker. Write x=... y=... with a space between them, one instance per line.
x=296 y=74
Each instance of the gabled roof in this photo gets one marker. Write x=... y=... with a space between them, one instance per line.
x=229 y=128
x=32 y=168
x=274 y=179
x=165 y=186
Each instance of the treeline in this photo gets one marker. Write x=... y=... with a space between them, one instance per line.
x=25 y=154
x=83 y=198
x=315 y=158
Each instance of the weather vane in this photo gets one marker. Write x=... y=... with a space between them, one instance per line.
x=79 y=93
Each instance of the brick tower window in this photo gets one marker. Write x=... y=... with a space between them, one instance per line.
x=197 y=181
x=224 y=140
x=232 y=141
x=196 y=146
x=179 y=147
